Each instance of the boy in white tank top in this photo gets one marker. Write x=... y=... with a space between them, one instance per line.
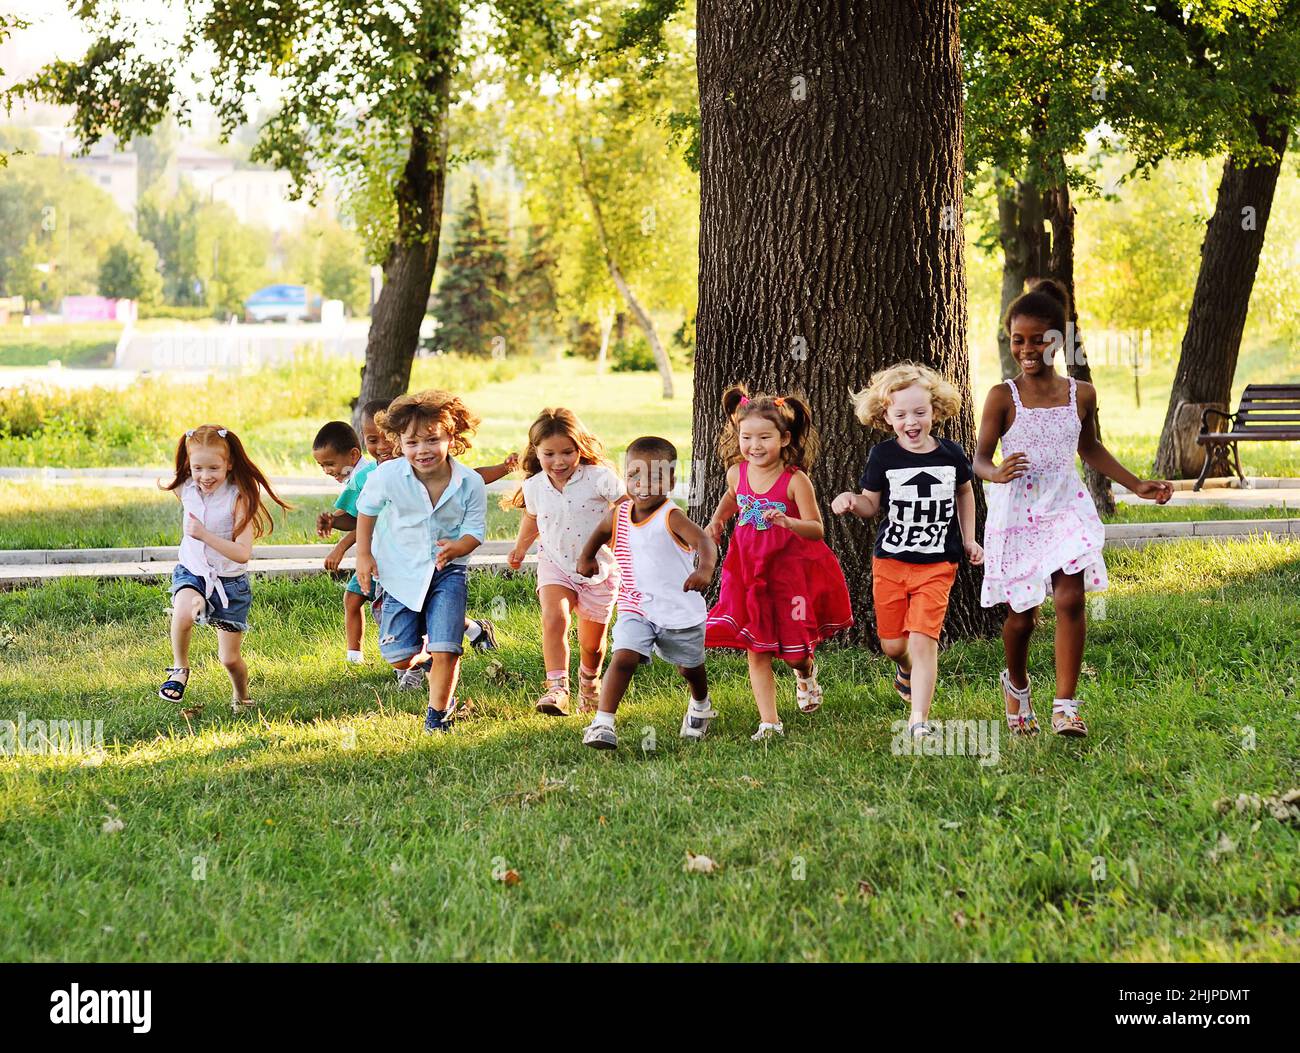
x=665 y=562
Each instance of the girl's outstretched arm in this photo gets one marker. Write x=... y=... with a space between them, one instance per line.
x=527 y=535
x=993 y=425
x=728 y=506
x=1094 y=454
x=366 y=567
x=809 y=524
x=706 y=552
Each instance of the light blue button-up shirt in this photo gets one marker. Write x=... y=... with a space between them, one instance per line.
x=410 y=525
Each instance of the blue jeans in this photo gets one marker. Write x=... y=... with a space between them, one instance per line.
x=232 y=616
x=442 y=618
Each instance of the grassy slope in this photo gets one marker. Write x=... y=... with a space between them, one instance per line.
x=334 y=830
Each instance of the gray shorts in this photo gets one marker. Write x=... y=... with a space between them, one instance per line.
x=684 y=647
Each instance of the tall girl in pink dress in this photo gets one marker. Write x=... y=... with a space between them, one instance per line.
x=782 y=588
x=1043 y=531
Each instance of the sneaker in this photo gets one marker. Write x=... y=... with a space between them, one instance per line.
x=410 y=679
x=766 y=731
x=600 y=737
x=435 y=722
x=486 y=640
x=695 y=723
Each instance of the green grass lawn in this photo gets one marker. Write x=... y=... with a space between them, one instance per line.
x=332 y=829
x=82 y=345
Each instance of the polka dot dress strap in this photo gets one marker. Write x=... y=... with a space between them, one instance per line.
x=1015 y=395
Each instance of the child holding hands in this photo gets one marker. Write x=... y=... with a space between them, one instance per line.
x=923 y=483
x=567 y=494
x=783 y=591
x=665 y=561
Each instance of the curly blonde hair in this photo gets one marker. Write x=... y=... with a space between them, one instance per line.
x=872 y=403
x=429 y=409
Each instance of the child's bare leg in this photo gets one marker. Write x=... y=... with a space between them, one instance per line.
x=187 y=605
x=1071 y=631
x=1016 y=631
x=803 y=667
x=613 y=686
x=353 y=619
x=924 y=651
x=697 y=678
x=591 y=644
x=763 y=681
x=443 y=674
x=556 y=602
x=896 y=649
x=228 y=648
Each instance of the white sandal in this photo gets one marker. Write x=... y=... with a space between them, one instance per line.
x=1024 y=722
x=767 y=731
x=807 y=692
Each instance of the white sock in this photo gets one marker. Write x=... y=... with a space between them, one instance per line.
x=701 y=705
x=473 y=630
x=605 y=720
x=356 y=657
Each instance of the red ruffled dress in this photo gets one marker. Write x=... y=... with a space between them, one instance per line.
x=780 y=592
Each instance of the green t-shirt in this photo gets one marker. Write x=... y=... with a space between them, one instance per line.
x=352 y=488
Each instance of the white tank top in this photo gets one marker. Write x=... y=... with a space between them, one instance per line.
x=653 y=566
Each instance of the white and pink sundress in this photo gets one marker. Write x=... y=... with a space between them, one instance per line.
x=1044 y=521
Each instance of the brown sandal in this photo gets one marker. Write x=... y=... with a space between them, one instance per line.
x=555 y=703
x=588 y=692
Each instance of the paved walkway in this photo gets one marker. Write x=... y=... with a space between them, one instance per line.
x=1262 y=493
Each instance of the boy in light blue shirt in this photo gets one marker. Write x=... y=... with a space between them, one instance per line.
x=434 y=514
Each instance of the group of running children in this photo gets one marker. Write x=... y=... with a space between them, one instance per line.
x=415 y=513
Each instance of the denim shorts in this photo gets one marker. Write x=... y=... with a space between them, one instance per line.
x=683 y=647
x=402 y=630
x=232 y=616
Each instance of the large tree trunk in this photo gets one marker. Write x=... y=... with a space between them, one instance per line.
x=830 y=233
x=408 y=267
x=1023 y=239
x=1234 y=239
x=1060 y=214
x=620 y=283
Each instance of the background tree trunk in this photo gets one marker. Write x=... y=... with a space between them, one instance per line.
x=1060 y=214
x=830 y=233
x=1023 y=239
x=1234 y=239
x=408 y=268
x=620 y=283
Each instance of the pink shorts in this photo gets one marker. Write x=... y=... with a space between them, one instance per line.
x=595 y=602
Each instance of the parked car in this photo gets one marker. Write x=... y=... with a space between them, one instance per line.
x=282 y=303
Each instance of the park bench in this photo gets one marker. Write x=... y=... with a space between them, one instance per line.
x=1267 y=413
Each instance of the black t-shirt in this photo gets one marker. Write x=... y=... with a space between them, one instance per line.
x=918 y=493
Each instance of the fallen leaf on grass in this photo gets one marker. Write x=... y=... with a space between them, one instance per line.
x=949 y=824
x=112 y=825
x=1225 y=846
x=698 y=864
x=866 y=890
x=959 y=919
x=1285 y=808
x=510 y=877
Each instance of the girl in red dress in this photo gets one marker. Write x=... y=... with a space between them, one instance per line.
x=783 y=592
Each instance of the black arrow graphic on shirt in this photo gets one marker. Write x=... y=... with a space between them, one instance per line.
x=924 y=483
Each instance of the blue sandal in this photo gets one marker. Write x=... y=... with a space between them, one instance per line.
x=903 y=683
x=174 y=686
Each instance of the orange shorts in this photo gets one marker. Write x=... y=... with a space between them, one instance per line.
x=910 y=597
